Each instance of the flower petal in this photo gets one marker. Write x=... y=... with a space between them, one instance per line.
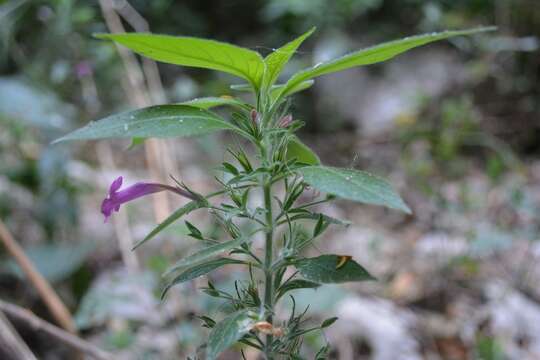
x=116 y=184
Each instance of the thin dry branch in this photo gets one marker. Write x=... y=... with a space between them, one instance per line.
x=38 y=324
x=45 y=290
x=11 y=344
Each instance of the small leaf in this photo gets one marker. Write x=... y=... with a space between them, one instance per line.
x=194 y=52
x=296 y=284
x=372 y=55
x=160 y=121
x=211 y=102
x=228 y=331
x=184 y=210
x=199 y=270
x=206 y=253
x=276 y=61
x=193 y=231
x=277 y=90
x=354 y=185
x=302 y=153
x=323 y=269
x=328 y=322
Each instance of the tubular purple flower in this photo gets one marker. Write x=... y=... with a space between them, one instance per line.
x=117 y=197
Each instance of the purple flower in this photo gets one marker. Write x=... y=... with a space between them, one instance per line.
x=117 y=197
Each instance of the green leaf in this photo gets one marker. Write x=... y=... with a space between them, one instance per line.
x=206 y=253
x=328 y=322
x=184 y=210
x=296 y=284
x=156 y=121
x=194 y=52
x=228 y=331
x=211 y=102
x=199 y=270
x=354 y=185
x=276 y=91
x=371 y=55
x=276 y=61
x=324 y=269
x=302 y=153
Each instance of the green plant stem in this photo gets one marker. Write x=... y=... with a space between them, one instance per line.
x=268 y=259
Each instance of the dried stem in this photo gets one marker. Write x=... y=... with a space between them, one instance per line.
x=11 y=344
x=37 y=324
x=46 y=292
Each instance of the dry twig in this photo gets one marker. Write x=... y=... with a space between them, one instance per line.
x=37 y=324
x=46 y=292
x=11 y=344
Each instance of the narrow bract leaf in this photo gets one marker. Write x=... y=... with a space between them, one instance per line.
x=276 y=91
x=206 y=253
x=199 y=270
x=324 y=269
x=211 y=102
x=354 y=185
x=276 y=61
x=184 y=210
x=302 y=153
x=296 y=284
x=156 y=121
x=194 y=52
x=328 y=322
x=372 y=55
x=228 y=331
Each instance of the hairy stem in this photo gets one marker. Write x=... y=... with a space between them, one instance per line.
x=268 y=258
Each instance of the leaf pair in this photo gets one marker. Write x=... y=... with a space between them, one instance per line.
x=259 y=72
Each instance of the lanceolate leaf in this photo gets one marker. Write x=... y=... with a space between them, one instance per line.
x=354 y=185
x=227 y=332
x=372 y=55
x=302 y=153
x=184 y=210
x=194 y=52
x=296 y=284
x=327 y=269
x=156 y=121
x=199 y=270
x=206 y=253
x=278 y=89
x=276 y=61
x=210 y=102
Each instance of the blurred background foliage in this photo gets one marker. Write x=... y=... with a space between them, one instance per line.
x=456 y=126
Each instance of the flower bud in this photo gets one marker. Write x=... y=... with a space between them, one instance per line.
x=285 y=121
x=254 y=118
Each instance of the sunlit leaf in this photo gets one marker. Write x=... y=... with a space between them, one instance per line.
x=371 y=55
x=194 y=52
x=354 y=185
x=276 y=61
